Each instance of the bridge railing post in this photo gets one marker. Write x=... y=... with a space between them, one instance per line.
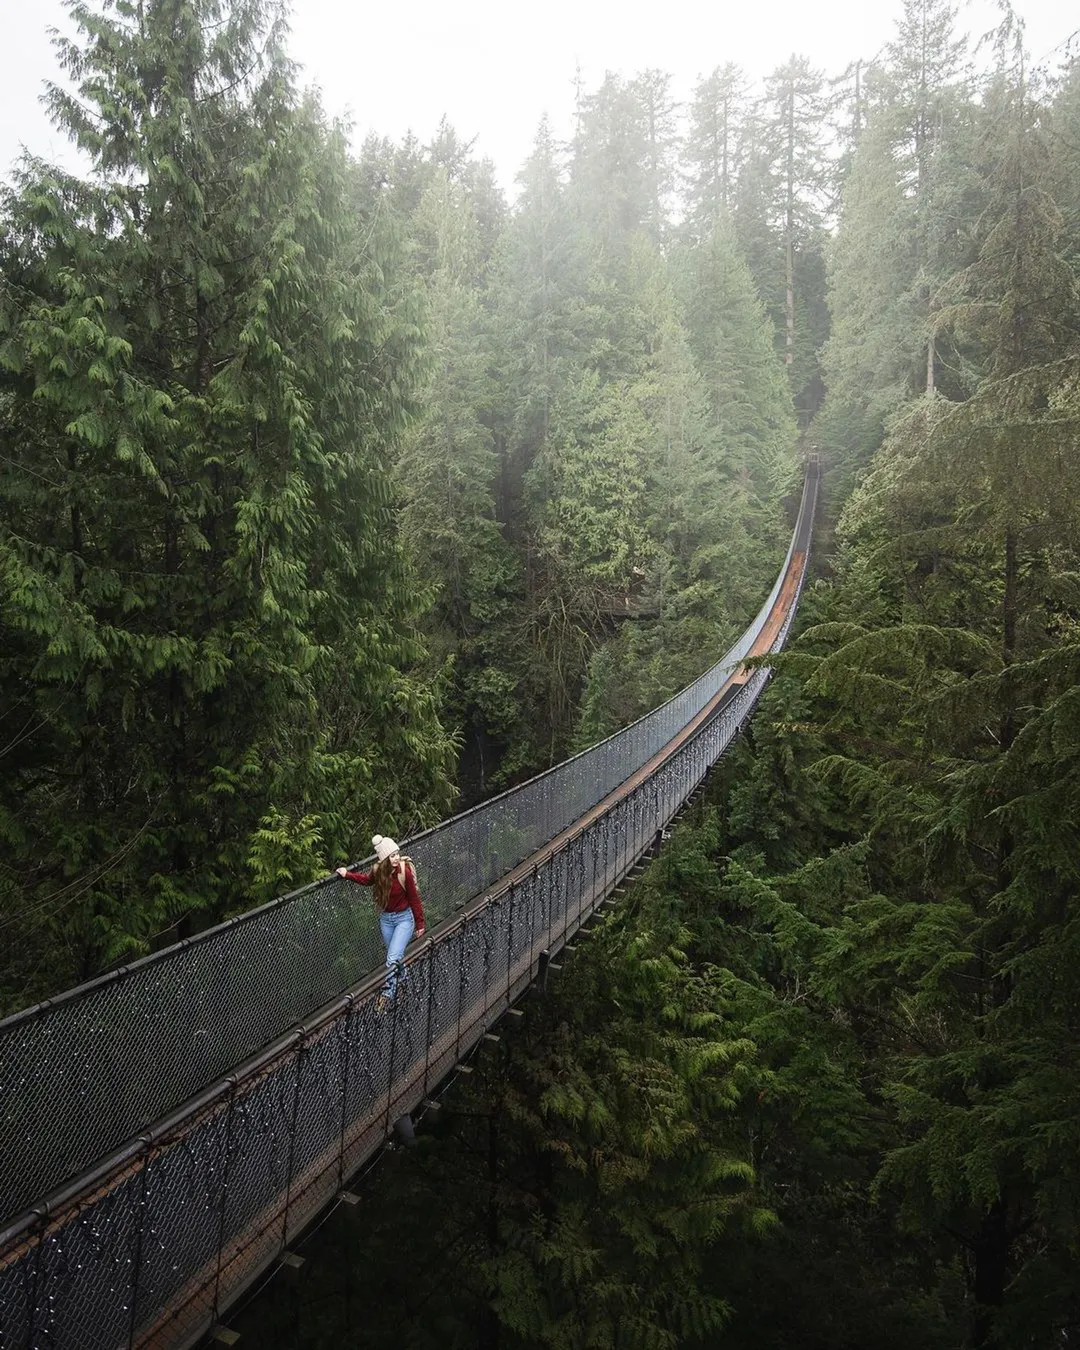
x=536 y=910
x=136 y=1260
x=510 y=897
x=580 y=878
x=347 y=1032
x=223 y=1208
x=301 y=1049
x=621 y=816
x=391 y=1057
x=559 y=885
x=429 y=1021
x=462 y=982
x=33 y=1299
x=487 y=923
x=638 y=811
x=624 y=813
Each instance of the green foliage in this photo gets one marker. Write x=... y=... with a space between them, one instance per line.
x=206 y=618
x=777 y=214
x=815 y=1082
x=688 y=464
x=448 y=469
x=912 y=178
x=943 y=682
x=715 y=148
x=284 y=854
x=307 y=459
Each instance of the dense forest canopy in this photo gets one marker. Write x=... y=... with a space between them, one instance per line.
x=329 y=479
x=336 y=489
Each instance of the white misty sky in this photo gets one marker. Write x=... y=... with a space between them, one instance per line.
x=494 y=67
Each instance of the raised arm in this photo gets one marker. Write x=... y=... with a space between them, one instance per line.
x=361 y=878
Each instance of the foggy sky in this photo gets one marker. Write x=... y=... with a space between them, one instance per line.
x=493 y=67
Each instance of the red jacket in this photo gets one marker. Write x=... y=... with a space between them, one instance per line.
x=401 y=897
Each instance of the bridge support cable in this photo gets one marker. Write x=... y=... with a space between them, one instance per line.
x=148 y=1248
x=84 y=1073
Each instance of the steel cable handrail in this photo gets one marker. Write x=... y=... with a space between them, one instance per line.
x=147 y=1251
x=82 y=1073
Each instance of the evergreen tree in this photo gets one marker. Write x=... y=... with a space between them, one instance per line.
x=716 y=438
x=715 y=147
x=874 y=346
x=206 y=617
x=622 y=167
x=945 y=716
x=537 y=293
x=541 y=324
x=729 y=335
x=448 y=470
x=658 y=111
x=760 y=242
x=911 y=181
x=794 y=102
x=778 y=218
x=926 y=68
x=1064 y=121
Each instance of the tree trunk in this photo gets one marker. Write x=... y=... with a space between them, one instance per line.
x=76 y=526
x=1008 y=639
x=790 y=230
x=991 y=1265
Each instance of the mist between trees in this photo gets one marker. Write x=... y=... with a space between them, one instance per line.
x=335 y=492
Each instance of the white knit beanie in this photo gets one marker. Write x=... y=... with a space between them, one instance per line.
x=385 y=848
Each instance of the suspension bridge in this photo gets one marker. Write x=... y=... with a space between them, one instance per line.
x=168 y=1130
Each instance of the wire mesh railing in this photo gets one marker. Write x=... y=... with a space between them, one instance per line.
x=80 y=1076
x=152 y=1253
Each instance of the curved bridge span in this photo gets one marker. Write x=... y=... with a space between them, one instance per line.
x=258 y=1051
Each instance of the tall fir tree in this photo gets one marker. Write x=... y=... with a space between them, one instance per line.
x=912 y=178
x=714 y=148
x=778 y=218
x=449 y=473
x=207 y=620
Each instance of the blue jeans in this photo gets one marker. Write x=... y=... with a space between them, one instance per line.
x=397 y=930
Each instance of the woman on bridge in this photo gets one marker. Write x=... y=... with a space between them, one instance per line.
x=401 y=911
